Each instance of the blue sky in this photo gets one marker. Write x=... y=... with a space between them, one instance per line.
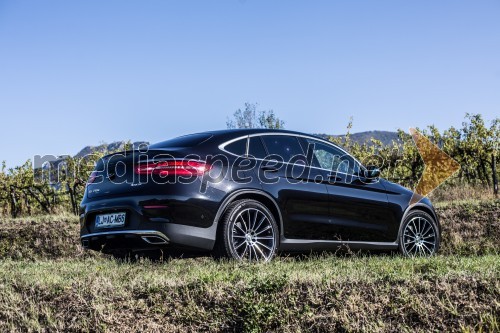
x=77 y=73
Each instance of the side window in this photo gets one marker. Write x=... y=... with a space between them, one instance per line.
x=238 y=147
x=283 y=145
x=256 y=148
x=333 y=159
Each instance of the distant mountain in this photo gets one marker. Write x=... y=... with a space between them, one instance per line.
x=386 y=137
x=109 y=147
x=102 y=148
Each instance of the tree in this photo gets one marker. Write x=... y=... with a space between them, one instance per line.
x=250 y=117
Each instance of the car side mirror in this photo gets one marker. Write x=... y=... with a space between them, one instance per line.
x=372 y=172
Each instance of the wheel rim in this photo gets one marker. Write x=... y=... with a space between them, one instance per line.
x=419 y=237
x=253 y=236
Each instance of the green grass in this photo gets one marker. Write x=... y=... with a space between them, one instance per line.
x=49 y=284
x=313 y=268
x=319 y=293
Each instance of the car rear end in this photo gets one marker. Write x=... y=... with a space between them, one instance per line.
x=152 y=199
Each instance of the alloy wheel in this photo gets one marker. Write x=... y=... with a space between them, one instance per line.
x=252 y=236
x=419 y=237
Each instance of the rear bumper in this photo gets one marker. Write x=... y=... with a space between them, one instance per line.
x=180 y=223
x=165 y=235
x=146 y=238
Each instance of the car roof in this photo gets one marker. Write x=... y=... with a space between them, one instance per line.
x=234 y=133
x=217 y=137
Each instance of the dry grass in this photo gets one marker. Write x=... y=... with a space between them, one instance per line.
x=48 y=284
x=470 y=227
x=47 y=236
x=462 y=192
x=318 y=294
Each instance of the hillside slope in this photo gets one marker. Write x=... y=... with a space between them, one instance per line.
x=47 y=283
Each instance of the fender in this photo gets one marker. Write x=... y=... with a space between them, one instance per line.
x=417 y=205
x=230 y=198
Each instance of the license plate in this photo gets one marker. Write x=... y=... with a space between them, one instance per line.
x=110 y=220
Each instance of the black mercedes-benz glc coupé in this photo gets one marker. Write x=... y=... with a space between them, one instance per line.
x=247 y=194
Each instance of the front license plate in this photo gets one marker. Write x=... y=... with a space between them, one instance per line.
x=110 y=220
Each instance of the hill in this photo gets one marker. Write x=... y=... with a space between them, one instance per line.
x=386 y=137
x=49 y=284
x=109 y=147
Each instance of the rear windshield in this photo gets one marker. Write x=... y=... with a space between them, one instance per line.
x=190 y=140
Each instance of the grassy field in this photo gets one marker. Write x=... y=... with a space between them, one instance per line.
x=320 y=294
x=47 y=283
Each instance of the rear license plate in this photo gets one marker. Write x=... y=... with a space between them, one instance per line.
x=110 y=220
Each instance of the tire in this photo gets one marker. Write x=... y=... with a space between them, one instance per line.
x=419 y=235
x=248 y=231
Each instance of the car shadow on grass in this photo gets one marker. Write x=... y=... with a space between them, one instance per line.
x=167 y=255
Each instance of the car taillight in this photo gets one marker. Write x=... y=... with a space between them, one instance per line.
x=173 y=168
x=92 y=177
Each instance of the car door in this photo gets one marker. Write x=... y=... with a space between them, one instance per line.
x=359 y=207
x=303 y=200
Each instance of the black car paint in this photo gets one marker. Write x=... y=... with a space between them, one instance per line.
x=311 y=214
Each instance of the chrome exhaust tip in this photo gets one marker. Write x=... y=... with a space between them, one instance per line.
x=154 y=240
